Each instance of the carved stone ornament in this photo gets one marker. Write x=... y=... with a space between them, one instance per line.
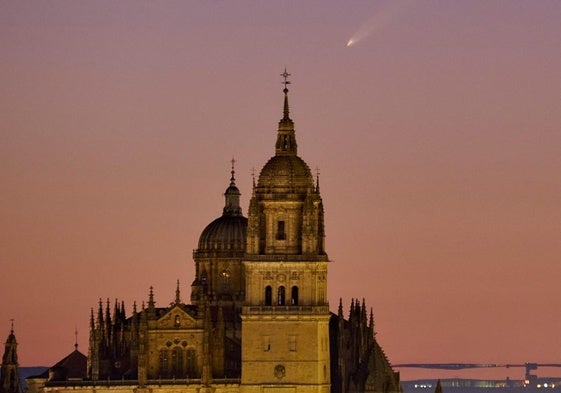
x=280 y=371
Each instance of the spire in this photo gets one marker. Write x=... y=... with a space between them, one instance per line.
x=177 y=294
x=75 y=338
x=108 y=312
x=286 y=140
x=286 y=82
x=116 y=312
x=233 y=173
x=438 y=387
x=92 y=323
x=9 y=376
x=371 y=323
x=100 y=315
x=232 y=196
x=151 y=302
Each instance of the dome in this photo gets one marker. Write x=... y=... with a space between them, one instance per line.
x=286 y=173
x=226 y=233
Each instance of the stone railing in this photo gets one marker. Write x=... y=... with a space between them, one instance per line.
x=285 y=309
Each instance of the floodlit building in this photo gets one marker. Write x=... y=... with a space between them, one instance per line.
x=258 y=318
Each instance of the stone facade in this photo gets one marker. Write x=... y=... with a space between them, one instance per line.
x=258 y=320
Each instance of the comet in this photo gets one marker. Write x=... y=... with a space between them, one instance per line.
x=383 y=18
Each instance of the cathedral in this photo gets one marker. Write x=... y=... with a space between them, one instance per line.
x=257 y=319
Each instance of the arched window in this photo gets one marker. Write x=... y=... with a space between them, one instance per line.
x=191 y=363
x=282 y=296
x=177 y=362
x=294 y=296
x=225 y=275
x=281 y=235
x=164 y=363
x=268 y=295
x=204 y=277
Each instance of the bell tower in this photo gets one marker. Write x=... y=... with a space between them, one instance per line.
x=9 y=377
x=285 y=317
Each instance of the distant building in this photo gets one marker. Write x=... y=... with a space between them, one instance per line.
x=258 y=320
x=72 y=368
x=9 y=373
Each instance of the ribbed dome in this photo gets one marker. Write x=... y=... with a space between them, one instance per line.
x=286 y=173
x=226 y=233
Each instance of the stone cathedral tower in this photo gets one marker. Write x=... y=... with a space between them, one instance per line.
x=258 y=320
x=9 y=376
x=285 y=320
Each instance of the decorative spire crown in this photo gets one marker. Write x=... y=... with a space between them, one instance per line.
x=177 y=294
x=286 y=82
x=232 y=196
x=151 y=302
x=286 y=140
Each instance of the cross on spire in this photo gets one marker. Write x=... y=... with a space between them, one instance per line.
x=233 y=171
x=286 y=82
x=12 y=321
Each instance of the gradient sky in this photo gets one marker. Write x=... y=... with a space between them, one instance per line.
x=437 y=135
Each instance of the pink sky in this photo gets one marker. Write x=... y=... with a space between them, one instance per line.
x=437 y=135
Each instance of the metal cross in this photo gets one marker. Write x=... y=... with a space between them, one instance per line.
x=285 y=75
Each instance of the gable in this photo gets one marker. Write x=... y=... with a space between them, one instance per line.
x=176 y=318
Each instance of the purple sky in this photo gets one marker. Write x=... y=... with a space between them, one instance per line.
x=437 y=135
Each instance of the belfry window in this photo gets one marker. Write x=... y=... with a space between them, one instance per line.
x=268 y=295
x=282 y=296
x=294 y=296
x=281 y=235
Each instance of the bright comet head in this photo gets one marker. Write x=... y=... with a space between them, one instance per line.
x=350 y=42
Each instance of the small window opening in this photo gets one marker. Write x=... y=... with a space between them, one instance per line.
x=268 y=296
x=281 y=235
x=282 y=296
x=294 y=296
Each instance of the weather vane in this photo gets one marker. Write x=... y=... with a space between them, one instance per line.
x=286 y=82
